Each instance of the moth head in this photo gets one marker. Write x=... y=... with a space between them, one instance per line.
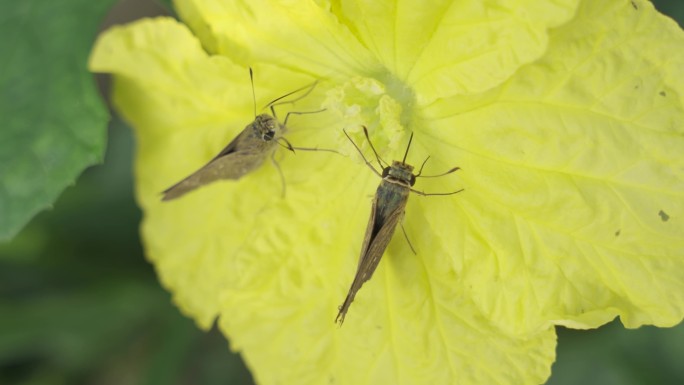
x=400 y=171
x=265 y=126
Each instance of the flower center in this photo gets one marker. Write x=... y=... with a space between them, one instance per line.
x=384 y=106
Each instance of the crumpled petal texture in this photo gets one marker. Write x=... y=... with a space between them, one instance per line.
x=598 y=155
x=295 y=34
x=571 y=146
x=467 y=46
x=454 y=47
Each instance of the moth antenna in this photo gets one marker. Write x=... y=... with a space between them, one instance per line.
x=361 y=153
x=251 y=79
x=438 y=175
x=407 y=148
x=377 y=157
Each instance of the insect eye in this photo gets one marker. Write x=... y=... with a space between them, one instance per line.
x=412 y=181
x=385 y=171
x=268 y=135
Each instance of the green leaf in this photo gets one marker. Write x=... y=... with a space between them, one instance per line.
x=167 y=4
x=674 y=9
x=612 y=355
x=53 y=122
x=65 y=325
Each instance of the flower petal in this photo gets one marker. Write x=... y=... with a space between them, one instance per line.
x=296 y=34
x=454 y=47
x=574 y=174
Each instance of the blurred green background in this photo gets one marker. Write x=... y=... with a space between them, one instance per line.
x=79 y=304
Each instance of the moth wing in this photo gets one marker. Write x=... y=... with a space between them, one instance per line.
x=236 y=143
x=374 y=246
x=377 y=245
x=369 y=232
x=231 y=163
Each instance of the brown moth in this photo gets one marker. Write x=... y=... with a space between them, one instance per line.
x=388 y=210
x=247 y=151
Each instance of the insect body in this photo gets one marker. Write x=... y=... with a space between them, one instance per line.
x=246 y=152
x=389 y=204
x=242 y=155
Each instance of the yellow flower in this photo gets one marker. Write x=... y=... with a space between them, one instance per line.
x=566 y=118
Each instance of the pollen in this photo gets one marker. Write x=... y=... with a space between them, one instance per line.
x=384 y=107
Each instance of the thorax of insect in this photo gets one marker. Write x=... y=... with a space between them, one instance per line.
x=399 y=173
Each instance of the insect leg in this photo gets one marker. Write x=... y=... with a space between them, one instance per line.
x=407 y=238
x=315 y=149
x=429 y=194
x=287 y=144
x=280 y=172
x=297 y=113
x=421 y=167
x=277 y=101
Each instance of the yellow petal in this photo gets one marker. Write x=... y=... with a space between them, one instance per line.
x=296 y=34
x=163 y=55
x=454 y=47
x=574 y=177
x=409 y=323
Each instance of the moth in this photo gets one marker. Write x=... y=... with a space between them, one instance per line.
x=389 y=204
x=247 y=151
